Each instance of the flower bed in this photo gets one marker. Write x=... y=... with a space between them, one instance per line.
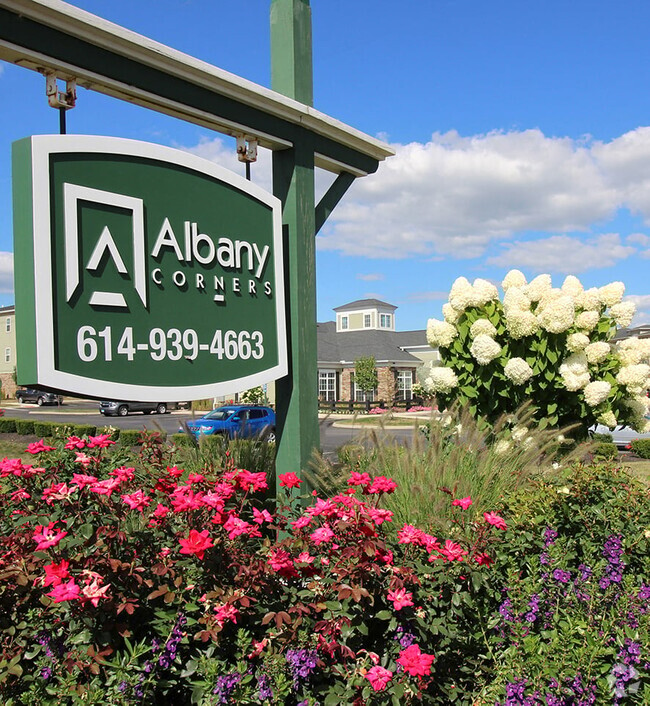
x=174 y=588
x=178 y=587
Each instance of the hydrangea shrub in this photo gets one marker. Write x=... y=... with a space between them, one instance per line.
x=541 y=343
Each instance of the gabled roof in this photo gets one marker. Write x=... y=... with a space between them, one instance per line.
x=350 y=346
x=365 y=304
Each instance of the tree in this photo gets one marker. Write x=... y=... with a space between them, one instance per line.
x=365 y=373
x=551 y=346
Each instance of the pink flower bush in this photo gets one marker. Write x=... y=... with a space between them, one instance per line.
x=379 y=677
x=400 y=598
x=493 y=519
x=208 y=559
x=289 y=480
x=415 y=662
x=463 y=503
x=196 y=543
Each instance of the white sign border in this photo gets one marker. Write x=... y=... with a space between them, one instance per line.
x=42 y=146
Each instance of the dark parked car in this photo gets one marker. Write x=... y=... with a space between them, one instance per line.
x=29 y=394
x=112 y=408
x=237 y=421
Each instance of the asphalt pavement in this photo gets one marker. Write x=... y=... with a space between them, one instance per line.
x=75 y=411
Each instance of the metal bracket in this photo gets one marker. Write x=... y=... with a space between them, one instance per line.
x=246 y=148
x=60 y=99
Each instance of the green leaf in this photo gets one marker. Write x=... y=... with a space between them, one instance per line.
x=384 y=615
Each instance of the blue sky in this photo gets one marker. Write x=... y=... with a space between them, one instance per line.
x=522 y=133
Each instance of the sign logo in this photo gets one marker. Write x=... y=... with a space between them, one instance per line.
x=143 y=272
x=72 y=195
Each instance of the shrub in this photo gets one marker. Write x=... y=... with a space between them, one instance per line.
x=543 y=344
x=607 y=438
x=182 y=439
x=84 y=429
x=7 y=425
x=177 y=590
x=24 y=426
x=44 y=429
x=605 y=450
x=571 y=584
x=130 y=437
x=641 y=447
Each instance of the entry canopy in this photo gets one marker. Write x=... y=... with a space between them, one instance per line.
x=110 y=59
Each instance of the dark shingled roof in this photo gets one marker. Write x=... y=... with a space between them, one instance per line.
x=351 y=345
x=365 y=304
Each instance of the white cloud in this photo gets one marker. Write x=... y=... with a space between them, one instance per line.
x=563 y=253
x=371 y=277
x=638 y=239
x=642 y=302
x=454 y=195
x=6 y=273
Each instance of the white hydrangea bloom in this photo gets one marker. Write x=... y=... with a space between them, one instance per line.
x=485 y=349
x=518 y=371
x=572 y=286
x=638 y=406
x=440 y=333
x=521 y=323
x=596 y=392
x=442 y=379
x=535 y=290
x=587 y=320
x=589 y=299
x=450 y=314
x=623 y=313
x=558 y=315
x=549 y=296
x=577 y=342
x=574 y=372
x=630 y=351
x=611 y=293
x=515 y=300
x=634 y=376
x=597 y=352
x=514 y=278
x=482 y=326
x=608 y=419
x=461 y=294
x=644 y=344
x=484 y=292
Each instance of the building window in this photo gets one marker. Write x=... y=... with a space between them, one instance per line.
x=7 y=355
x=360 y=395
x=404 y=385
x=344 y=323
x=384 y=321
x=8 y=324
x=326 y=385
x=367 y=321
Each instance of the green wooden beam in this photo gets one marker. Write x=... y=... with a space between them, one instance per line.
x=333 y=195
x=119 y=63
x=293 y=183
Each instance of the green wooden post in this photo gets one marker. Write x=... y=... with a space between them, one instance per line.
x=293 y=183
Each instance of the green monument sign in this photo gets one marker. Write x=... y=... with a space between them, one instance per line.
x=146 y=273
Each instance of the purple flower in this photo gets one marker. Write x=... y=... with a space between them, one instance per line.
x=264 y=690
x=550 y=535
x=561 y=576
x=225 y=686
x=46 y=673
x=301 y=663
x=504 y=610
